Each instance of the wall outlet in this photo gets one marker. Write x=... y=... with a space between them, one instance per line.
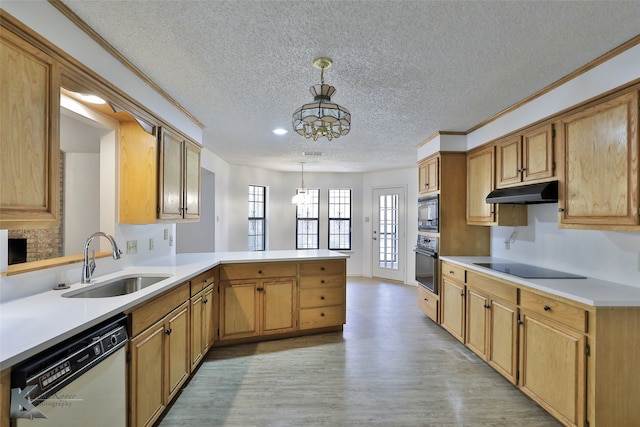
x=166 y=233
x=132 y=247
x=150 y=243
x=171 y=240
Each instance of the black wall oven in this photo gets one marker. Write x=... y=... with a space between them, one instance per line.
x=427 y=270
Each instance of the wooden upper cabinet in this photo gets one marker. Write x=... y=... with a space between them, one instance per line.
x=480 y=179
x=525 y=159
x=599 y=184
x=429 y=175
x=480 y=182
x=138 y=174
x=29 y=135
x=179 y=189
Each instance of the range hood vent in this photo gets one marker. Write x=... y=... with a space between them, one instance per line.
x=546 y=192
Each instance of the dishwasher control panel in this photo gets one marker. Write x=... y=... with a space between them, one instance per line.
x=42 y=375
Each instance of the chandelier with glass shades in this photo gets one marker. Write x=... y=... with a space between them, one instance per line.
x=301 y=197
x=322 y=117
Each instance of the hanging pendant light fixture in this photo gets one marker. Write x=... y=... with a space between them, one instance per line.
x=301 y=197
x=322 y=117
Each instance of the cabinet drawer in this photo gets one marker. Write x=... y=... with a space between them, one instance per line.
x=428 y=304
x=494 y=287
x=454 y=271
x=201 y=281
x=553 y=309
x=322 y=317
x=321 y=281
x=321 y=297
x=312 y=268
x=256 y=271
x=157 y=308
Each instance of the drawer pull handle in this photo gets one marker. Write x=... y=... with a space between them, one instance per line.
x=546 y=308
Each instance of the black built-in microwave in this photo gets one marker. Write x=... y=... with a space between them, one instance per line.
x=429 y=213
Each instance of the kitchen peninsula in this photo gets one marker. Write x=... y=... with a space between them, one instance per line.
x=218 y=298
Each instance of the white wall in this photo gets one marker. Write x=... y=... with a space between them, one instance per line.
x=82 y=200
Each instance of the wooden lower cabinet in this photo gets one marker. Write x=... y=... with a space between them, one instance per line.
x=552 y=368
x=428 y=303
x=255 y=307
x=159 y=366
x=202 y=333
x=322 y=294
x=452 y=299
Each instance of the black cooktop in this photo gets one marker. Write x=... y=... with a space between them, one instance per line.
x=528 y=271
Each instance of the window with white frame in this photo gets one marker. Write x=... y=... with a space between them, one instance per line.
x=307 y=221
x=340 y=219
x=256 y=232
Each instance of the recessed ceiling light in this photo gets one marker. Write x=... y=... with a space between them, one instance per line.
x=280 y=131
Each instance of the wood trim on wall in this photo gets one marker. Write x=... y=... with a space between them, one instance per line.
x=128 y=64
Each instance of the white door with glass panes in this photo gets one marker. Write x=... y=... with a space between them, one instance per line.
x=388 y=233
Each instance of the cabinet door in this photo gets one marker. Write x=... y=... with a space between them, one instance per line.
x=177 y=348
x=509 y=162
x=147 y=376
x=238 y=309
x=553 y=368
x=538 y=155
x=192 y=181
x=197 y=329
x=138 y=175
x=502 y=353
x=480 y=182
x=171 y=161
x=599 y=185
x=278 y=305
x=476 y=333
x=452 y=300
x=29 y=135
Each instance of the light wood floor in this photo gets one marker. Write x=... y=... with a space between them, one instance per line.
x=391 y=366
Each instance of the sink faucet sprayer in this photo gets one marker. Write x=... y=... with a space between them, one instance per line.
x=89 y=266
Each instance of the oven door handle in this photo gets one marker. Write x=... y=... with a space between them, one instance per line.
x=433 y=255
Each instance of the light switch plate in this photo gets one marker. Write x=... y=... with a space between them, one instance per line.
x=150 y=243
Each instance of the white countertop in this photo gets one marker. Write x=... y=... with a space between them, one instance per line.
x=32 y=324
x=592 y=292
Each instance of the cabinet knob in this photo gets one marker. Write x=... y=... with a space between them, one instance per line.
x=546 y=308
x=322 y=281
x=560 y=209
x=321 y=314
x=462 y=294
x=205 y=301
x=322 y=297
x=259 y=289
x=520 y=322
x=205 y=280
x=168 y=331
x=450 y=271
x=321 y=268
x=259 y=271
x=487 y=306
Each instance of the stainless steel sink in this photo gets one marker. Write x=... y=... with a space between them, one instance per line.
x=116 y=287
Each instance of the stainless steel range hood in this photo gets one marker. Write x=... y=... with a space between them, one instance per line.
x=546 y=192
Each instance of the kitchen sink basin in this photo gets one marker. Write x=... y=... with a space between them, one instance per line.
x=116 y=287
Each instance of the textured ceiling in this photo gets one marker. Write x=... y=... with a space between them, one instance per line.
x=405 y=69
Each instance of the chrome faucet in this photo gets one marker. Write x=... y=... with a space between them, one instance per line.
x=89 y=266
